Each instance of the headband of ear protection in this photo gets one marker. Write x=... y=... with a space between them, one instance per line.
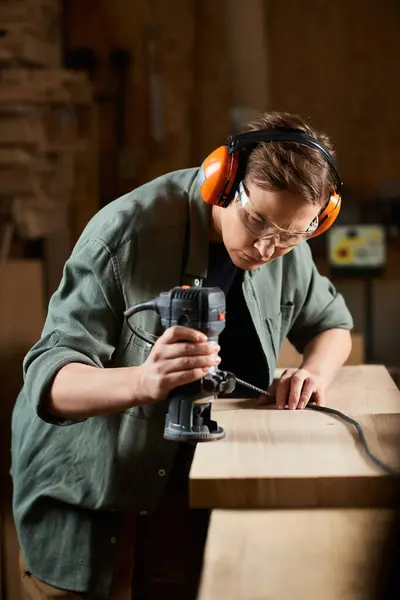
x=223 y=170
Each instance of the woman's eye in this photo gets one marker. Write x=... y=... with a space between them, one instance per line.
x=256 y=221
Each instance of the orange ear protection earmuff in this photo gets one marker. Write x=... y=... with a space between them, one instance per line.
x=222 y=171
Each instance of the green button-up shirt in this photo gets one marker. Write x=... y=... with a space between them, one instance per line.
x=73 y=480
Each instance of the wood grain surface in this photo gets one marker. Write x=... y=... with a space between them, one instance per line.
x=302 y=554
x=274 y=458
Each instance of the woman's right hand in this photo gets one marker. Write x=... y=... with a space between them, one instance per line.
x=180 y=355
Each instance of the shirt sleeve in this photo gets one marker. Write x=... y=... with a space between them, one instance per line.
x=83 y=323
x=321 y=308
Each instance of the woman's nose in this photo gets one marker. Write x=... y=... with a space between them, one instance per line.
x=266 y=247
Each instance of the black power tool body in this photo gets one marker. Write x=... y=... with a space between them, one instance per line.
x=189 y=406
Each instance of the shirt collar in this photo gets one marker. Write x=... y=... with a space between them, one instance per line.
x=198 y=237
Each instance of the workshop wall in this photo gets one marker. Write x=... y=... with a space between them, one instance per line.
x=338 y=64
x=335 y=63
x=175 y=107
x=163 y=89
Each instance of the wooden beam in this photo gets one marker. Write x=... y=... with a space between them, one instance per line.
x=247 y=51
x=213 y=82
x=290 y=459
x=340 y=90
x=302 y=554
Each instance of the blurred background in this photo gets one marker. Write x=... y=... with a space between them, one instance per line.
x=97 y=97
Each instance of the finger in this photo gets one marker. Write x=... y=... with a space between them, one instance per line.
x=189 y=349
x=274 y=385
x=272 y=388
x=177 y=333
x=306 y=393
x=265 y=400
x=296 y=387
x=282 y=391
x=179 y=378
x=319 y=398
x=188 y=363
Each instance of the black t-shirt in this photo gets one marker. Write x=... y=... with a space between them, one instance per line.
x=241 y=351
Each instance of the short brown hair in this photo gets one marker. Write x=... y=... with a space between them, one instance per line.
x=276 y=166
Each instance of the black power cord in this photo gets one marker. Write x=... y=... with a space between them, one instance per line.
x=311 y=406
x=332 y=411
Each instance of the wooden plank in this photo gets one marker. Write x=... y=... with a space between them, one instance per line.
x=169 y=58
x=22 y=310
x=85 y=200
x=2 y=557
x=283 y=458
x=248 y=57
x=212 y=83
x=22 y=306
x=48 y=87
x=297 y=34
x=302 y=554
x=11 y=574
x=57 y=248
x=289 y=357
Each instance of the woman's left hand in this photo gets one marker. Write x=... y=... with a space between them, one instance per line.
x=296 y=388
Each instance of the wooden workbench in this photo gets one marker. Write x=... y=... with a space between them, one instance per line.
x=326 y=554
x=274 y=458
x=294 y=486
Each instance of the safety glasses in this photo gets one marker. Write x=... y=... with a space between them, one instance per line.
x=261 y=228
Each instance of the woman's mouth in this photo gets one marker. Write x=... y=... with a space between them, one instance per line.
x=252 y=260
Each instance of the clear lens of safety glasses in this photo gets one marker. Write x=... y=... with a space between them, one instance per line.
x=264 y=229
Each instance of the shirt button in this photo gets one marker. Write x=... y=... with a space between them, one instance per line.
x=113 y=540
x=143 y=513
x=149 y=345
x=196 y=282
x=161 y=472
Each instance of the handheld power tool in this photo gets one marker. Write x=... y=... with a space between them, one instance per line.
x=189 y=410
